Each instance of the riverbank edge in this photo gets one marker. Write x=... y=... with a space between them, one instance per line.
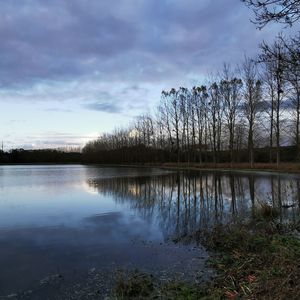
x=290 y=168
x=259 y=259
x=257 y=167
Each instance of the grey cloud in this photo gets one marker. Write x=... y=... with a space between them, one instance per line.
x=104 y=106
x=115 y=56
x=143 y=40
x=120 y=99
x=40 y=43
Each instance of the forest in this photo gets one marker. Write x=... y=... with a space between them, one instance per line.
x=244 y=113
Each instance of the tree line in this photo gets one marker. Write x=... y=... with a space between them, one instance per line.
x=16 y=156
x=238 y=114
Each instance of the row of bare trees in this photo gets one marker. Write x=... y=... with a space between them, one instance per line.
x=239 y=110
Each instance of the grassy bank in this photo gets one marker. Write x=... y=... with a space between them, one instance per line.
x=258 y=259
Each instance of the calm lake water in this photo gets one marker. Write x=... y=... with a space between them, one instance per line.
x=73 y=219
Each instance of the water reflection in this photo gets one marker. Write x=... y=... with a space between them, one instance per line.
x=183 y=202
x=73 y=218
x=51 y=223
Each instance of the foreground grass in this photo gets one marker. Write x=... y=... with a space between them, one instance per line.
x=254 y=260
x=143 y=286
x=259 y=263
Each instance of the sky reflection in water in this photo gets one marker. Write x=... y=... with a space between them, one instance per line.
x=71 y=218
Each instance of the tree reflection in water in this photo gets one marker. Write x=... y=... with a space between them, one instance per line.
x=183 y=202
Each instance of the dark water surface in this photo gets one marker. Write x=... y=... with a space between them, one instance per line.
x=73 y=219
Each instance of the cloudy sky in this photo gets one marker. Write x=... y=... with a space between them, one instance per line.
x=70 y=70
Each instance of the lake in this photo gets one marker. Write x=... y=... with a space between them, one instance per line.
x=62 y=225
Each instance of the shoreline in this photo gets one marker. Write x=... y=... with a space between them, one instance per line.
x=292 y=168
x=289 y=168
x=258 y=167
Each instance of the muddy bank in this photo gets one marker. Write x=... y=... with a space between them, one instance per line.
x=164 y=261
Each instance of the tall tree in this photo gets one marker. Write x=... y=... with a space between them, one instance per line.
x=292 y=75
x=273 y=56
x=230 y=89
x=215 y=118
x=201 y=96
x=252 y=95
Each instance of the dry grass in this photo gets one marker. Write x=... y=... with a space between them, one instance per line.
x=258 y=259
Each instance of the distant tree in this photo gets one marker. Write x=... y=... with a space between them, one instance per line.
x=185 y=114
x=280 y=11
x=235 y=114
x=230 y=90
x=216 y=110
x=144 y=129
x=252 y=94
x=173 y=107
x=273 y=56
x=201 y=96
x=292 y=76
x=270 y=93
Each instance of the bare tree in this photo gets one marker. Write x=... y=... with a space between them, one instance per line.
x=215 y=118
x=292 y=75
x=144 y=129
x=269 y=102
x=219 y=122
x=173 y=108
x=252 y=94
x=280 y=11
x=201 y=112
x=230 y=89
x=273 y=57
